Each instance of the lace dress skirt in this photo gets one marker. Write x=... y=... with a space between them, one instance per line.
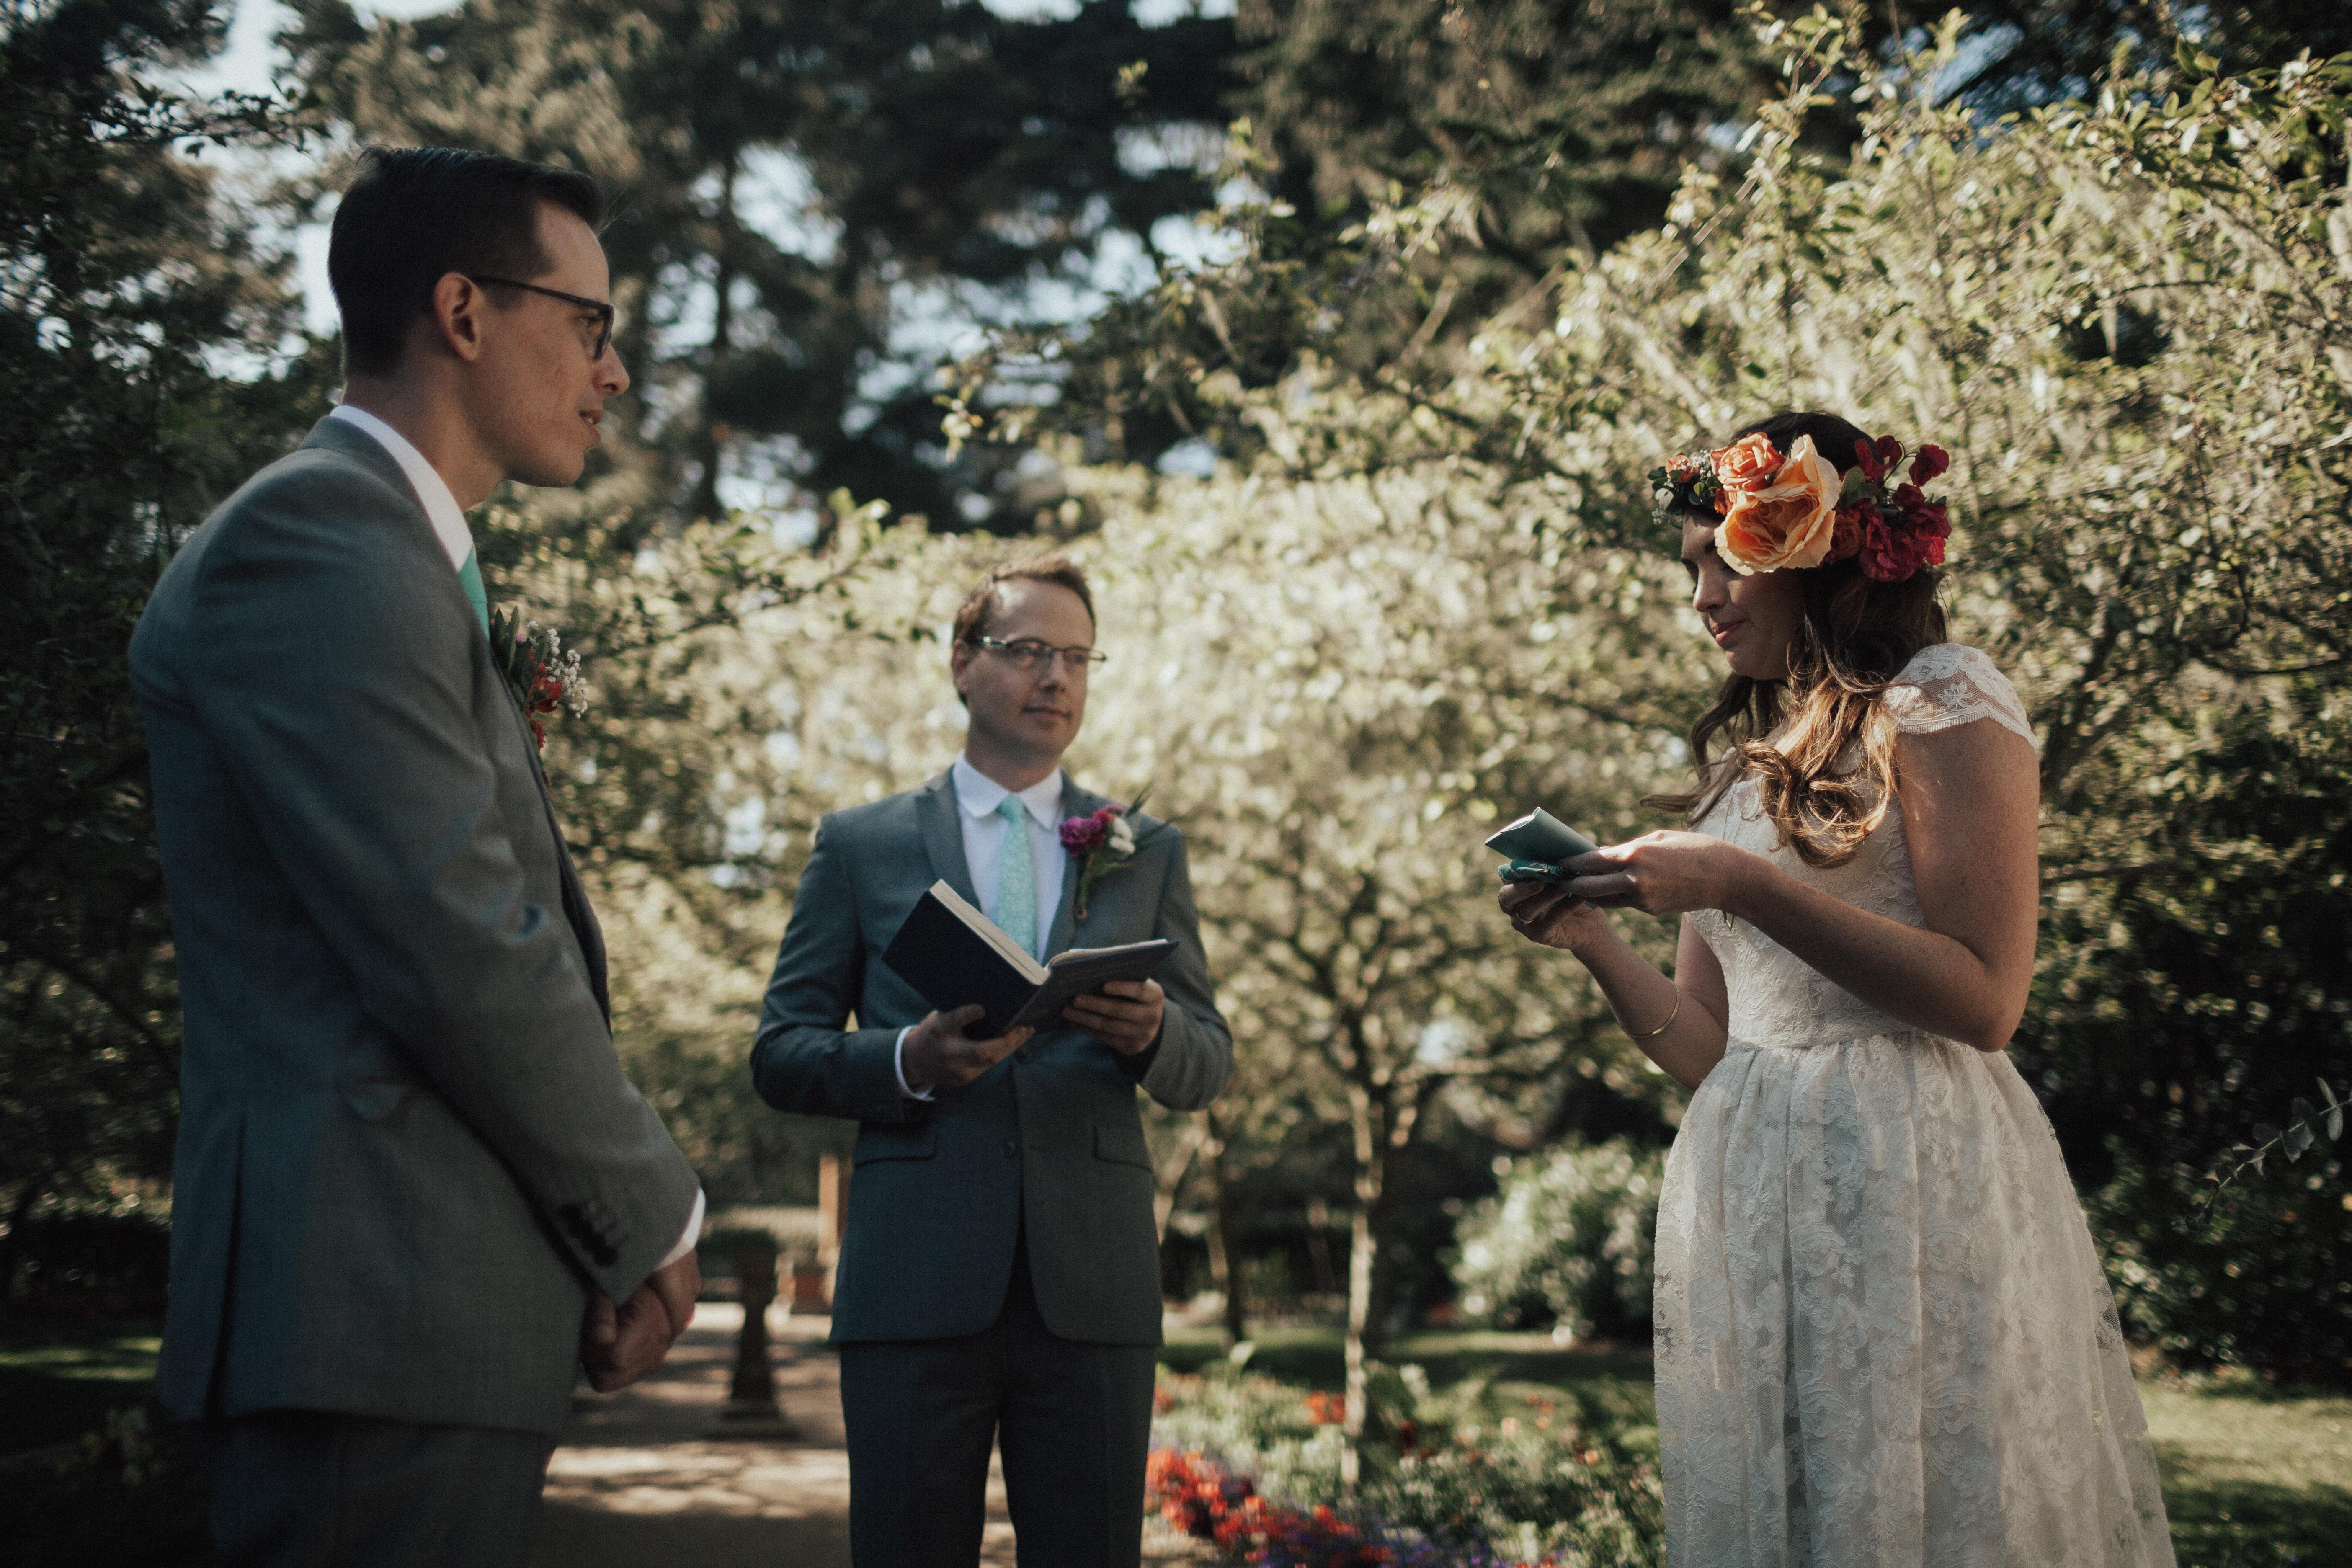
x=1884 y=1337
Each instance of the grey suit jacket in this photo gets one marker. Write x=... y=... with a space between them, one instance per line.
x=406 y=1147
x=1050 y=1139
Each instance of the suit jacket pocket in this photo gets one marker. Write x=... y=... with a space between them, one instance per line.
x=1122 y=1145
x=376 y=1096
x=878 y=1142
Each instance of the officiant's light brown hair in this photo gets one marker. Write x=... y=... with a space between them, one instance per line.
x=971 y=615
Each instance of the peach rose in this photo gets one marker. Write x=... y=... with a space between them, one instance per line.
x=1749 y=463
x=1790 y=523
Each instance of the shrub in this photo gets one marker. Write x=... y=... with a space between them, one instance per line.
x=1254 y=1466
x=1568 y=1243
x=82 y=1266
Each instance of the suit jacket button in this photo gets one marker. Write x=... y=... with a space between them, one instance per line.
x=1010 y=1148
x=1024 y=1055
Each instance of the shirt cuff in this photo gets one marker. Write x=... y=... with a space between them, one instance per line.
x=898 y=1066
x=693 y=1234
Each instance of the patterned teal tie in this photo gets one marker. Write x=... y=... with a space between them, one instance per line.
x=469 y=577
x=1016 y=882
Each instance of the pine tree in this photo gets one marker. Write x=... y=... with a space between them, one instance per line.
x=941 y=155
x=127 y=284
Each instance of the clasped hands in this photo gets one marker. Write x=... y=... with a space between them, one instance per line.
x=620 y=1345
x=1125 y=1015
x=1661 y=873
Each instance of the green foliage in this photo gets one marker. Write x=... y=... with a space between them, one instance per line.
x=129 y=286
x=1461 y=1468
x=1566 y=1244
x=2130 y=320
x=1571 y=121
x=2260 y=1284
x=130 y=1493
x=793 y=187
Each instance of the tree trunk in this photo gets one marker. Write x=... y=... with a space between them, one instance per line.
x=1224 y=1267
x=710 y=440
x=1368 y=1241
x=1318 y=1247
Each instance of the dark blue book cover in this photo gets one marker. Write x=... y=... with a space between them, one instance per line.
x=954 y=956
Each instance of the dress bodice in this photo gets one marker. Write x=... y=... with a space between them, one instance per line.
x=1777 y=999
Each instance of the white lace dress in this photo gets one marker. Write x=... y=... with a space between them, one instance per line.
x=1882 y=1336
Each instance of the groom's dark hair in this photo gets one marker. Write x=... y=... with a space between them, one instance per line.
x=415 y=215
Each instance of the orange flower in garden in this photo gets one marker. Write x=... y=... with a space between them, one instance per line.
x=1790 y=523
x=1749 y=463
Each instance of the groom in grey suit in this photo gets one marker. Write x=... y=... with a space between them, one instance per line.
x=413 y=1192
x=999 y=1274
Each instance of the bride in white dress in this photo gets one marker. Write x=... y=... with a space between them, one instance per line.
x=1882 y=1334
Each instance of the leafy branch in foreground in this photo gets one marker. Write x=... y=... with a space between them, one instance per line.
x=2302 y=1131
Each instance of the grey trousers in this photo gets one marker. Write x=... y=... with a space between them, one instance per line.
x=302 y=1489
x=1073 y=1419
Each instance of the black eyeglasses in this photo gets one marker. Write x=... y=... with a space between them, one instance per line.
x=1030 y=653
x=605 y=314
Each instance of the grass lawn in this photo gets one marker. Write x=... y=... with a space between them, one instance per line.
x=2253 y=1477
x=57 y=1381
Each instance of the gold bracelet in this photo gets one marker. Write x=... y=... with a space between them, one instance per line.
x=1662 y=1027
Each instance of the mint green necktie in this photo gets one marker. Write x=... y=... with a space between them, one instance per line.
x=1016 y=882
x=469 y=577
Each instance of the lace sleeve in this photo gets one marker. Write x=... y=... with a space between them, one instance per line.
x=1949 y=685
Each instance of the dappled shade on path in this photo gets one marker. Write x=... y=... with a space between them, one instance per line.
x=639 y=1481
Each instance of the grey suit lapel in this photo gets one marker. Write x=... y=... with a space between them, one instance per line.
x=1075 y=802
x=348 y=441
x=942 y=824
x=577 y=910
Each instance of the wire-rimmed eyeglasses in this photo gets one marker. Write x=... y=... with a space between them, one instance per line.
x=1031 y=653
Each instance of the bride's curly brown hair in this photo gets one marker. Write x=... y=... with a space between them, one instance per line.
x=1828 y=779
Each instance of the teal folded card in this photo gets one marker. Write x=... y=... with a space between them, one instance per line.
x=1537 y=844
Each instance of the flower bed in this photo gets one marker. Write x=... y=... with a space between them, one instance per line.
x=1253 y=1466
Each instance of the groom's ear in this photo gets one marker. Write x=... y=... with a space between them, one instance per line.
x=960 y=660
x=455 y=323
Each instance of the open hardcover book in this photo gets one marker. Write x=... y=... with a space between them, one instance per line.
x=954 y=956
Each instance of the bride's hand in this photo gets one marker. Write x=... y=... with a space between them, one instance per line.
x=1661 y=873
x=1547 y=915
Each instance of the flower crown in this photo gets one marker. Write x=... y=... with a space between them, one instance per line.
x=1787 y=511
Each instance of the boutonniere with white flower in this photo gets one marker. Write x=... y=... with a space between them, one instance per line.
x=543 y=677
x=1104 y=842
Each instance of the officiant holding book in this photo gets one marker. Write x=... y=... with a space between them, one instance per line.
x=998 y=1282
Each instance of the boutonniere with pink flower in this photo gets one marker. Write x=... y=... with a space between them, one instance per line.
x=543 y=676
x=1104 y=842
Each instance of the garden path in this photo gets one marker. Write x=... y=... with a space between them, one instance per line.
x=639 y=1482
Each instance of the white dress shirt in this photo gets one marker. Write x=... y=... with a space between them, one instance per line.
x=978 y=796
x=448 y=517
x=449 y=526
